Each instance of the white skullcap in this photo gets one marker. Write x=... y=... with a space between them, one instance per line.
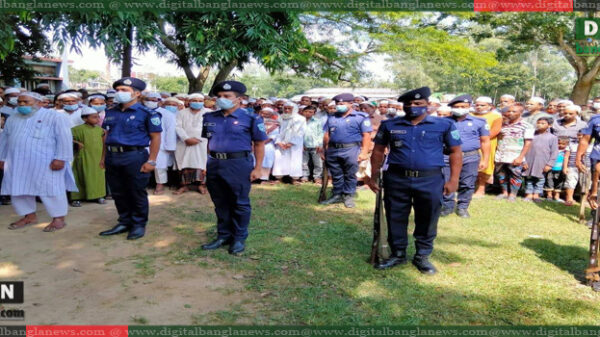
x=434 y=100
x=87 y=111
x=566 y=101
x=173 y=99
x=164 y=93
x=181 y=95
x=511 y=97
x=332 y=103
x=444 y=107
x=538 y=100
x=288 y=103
x=68 y=95
x=33 y=95
x=577 y=108
x=267 y=110
x=484 y=99
x=384 y=102
x=267 y=101
x=12 y=91
x=94 y=96
x=153 y=95
x=195 y=95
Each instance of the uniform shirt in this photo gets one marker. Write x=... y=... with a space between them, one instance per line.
x=232 y=133
x=131 y=127
x=511 y=140
x=418 y=147
x=471 y=129
x=348 y=129
x=593 y=129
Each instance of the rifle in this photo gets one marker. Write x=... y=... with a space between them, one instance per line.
x=592 y=272
x=380 y=249
x=324 y=181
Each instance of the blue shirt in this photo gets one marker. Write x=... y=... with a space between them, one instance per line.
x=471 y=129
x=348 y=129
x=418 y=147
x=232 y=133
x=593 y=129
x=131 y=127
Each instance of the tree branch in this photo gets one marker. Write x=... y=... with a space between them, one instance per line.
x=575 y=60
x=322 y=58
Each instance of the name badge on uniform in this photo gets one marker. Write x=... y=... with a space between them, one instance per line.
x=236 y=122
x=210 y=124
x=208 y=134
x=331 y=129
x=470 y=124
x=132 y=117
x=400 y=132
x=398 y=143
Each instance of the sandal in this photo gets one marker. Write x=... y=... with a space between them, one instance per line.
x=76 y=203
x=569 y=203
x=180 y=191
x=21 y=223
x=53 y=227
x=202 y=189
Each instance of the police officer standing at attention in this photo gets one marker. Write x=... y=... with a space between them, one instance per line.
x=130 y=126
x=475 y=135
x=231 y=131
x=414 y=176
x=346 y=143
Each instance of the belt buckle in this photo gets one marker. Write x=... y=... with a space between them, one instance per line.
x=221 y=155
x=413 y=174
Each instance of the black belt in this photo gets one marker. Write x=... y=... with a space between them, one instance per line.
x=229 y=155
x=343 y=145
x=403 y=172
x=115 y=148
x=470 y=153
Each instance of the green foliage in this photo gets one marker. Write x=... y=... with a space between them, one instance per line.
x=171 y=83
x=83 y=75
x=279 y=84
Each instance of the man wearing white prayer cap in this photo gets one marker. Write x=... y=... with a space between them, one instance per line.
x=10 y=100
x=35 y=149
x=506 y=100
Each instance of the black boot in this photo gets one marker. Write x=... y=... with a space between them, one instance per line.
x=396 y=259
x=215 y=244
x=463 y=213
x=422 y=263
x=236 y=247
x=136 y=233
x=118 y=229
x=445 y=211
x=335 y=199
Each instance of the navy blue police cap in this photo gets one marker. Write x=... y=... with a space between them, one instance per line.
x=421 y=93
x=461 y=99
x=135 y=83
x=234 y=86
x=346 y=97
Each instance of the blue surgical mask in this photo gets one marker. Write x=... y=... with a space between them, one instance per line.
x=225 y=104
x=123 y=97
x=171 y=108
x=99 y=108
x=196 y=105
x=341 y=109
x=24 y=109
x=71 y=107
x=415 y=111
x=151 y=105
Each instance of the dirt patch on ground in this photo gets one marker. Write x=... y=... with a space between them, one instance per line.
x=74 y=276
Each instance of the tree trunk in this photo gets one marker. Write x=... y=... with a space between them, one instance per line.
x=127 y=53
x=581 y=91
x=224 y=72
x=195 y=84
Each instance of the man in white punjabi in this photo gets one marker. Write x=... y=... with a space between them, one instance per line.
x=35 y=148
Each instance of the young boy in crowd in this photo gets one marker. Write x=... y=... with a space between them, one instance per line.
x=540 y=159
x=313 y=142
x=88 y=164
x=555 y=178
x=514 y=142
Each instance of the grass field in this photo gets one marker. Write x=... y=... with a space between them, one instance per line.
x=511 y=263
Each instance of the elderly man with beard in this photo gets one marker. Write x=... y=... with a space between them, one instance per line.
x=289 y=144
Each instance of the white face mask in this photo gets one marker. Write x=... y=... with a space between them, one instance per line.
x=596 y=105
x=151 y=105
x=13 y=101
x=459 y=112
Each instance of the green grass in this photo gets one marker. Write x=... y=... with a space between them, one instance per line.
x=511 y=263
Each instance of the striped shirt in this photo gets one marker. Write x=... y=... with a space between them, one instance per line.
x=511 y=140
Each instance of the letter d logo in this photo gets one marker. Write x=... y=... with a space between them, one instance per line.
x=590 y=28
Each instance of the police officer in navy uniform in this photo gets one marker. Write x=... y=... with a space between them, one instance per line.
x=413 y=178
x=346 y=143
x=130 y=127
x=475 y=136
x=232 y=135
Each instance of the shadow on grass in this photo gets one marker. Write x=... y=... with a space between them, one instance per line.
x=569 y=212
x=308 y=262
x=572 y=259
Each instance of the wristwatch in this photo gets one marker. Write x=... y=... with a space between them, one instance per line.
x=151 y=162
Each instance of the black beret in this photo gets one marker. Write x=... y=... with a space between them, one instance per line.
x=421 y=93
x=346 y=97
x=234 y=86
x=130 y=82
x=461 y=99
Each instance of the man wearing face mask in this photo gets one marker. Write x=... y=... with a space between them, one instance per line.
x=168 y=137
x=71 y=108
x=37 y=142
x=10 y=101
x=130 y=129
x=414 y=176
x=346 y=143
x=232 y=135
x=475 y=136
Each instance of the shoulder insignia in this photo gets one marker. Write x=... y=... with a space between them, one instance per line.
x=155 y=120
x=455 y=134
